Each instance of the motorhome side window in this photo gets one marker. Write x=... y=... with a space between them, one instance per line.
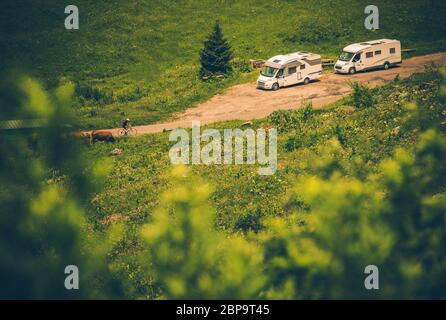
x=302 y=66
x=392 y=50
x=292 y=70
x=378 y=52
x=357 y=57
x=280 y=73
x=369 y=55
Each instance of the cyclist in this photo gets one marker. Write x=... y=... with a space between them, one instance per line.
x=126 y=125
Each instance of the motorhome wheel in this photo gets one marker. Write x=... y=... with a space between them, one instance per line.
x=307 y=81
x=352 y=71
x=386 y=66
x=275 y=86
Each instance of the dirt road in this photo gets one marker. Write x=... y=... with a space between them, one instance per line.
x=245 y=102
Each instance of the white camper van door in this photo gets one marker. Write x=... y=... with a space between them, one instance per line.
x=358 y=61
x=290 y=76
x=281 y=77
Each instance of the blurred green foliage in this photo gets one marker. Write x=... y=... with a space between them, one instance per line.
x=45 y=186
x=189 y=257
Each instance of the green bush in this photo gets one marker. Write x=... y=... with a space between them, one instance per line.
x=362 y=97
x=429 y=109
x=286 y=120
x=242 y=66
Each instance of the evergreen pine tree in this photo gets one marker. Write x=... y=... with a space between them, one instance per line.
x=216 y=55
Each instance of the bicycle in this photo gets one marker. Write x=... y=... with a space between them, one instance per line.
x=129 y=131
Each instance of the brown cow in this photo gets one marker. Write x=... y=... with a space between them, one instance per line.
x=106 y=136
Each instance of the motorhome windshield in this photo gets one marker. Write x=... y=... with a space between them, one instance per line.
x=268 y=71
x=346 y=56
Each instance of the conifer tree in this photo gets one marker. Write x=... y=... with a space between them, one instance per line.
x=216 y=55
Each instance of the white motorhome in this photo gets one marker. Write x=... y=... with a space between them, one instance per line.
x=364 y=56
x=286 y=70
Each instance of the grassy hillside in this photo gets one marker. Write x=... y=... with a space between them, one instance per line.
x=345 y=140
x=367 y=135
x=139 y=59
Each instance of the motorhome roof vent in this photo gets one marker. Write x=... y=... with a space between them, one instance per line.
x=276 y=61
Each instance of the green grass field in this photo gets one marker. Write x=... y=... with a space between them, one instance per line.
x=139 y=59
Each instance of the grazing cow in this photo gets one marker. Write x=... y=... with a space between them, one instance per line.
x=106 y=136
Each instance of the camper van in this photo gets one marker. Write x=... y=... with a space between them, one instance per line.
x=286 y=70
x=383 y=53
